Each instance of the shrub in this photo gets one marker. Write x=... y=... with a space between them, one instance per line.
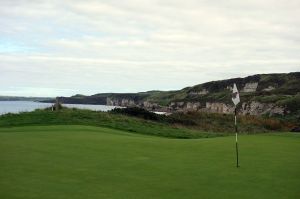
x=137 y=112
x=272 y=124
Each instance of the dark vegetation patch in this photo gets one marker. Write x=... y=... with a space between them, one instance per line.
x=137 y=112
x=147 y=115
x=292 y=103
x=211 y=122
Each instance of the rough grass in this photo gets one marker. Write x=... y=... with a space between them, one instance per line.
x=177 y=125
x=59 y=162
x=96 y=118
x=215 y=122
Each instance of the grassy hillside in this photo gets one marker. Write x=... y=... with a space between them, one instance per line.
x=93 y=118
x=178 y=125
x=60 y=162
x=280 y=89
x=285 y=87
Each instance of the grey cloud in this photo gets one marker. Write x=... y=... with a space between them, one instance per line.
x=145 y=44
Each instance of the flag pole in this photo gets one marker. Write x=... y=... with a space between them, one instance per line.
x=236 y=139
x=236 y=99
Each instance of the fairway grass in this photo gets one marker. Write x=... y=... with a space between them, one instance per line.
x=62 y=162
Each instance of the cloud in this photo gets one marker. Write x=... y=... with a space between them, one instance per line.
x=89 y=46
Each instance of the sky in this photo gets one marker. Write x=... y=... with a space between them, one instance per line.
x=65 y=47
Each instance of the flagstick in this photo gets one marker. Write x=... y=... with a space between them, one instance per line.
x=236 y=139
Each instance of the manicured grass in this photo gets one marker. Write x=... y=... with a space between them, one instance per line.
x=61 y=162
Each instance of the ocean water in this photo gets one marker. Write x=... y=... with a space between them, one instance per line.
x=27 y=106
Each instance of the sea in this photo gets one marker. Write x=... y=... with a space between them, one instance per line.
x=28 y=106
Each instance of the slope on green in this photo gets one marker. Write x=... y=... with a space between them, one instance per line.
x=59 y=162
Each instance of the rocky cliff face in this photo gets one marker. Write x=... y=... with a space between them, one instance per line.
x=120 y=102
x=266 y=94
x=257 y=108
x=185 y=106
x=250 y=108
x=260 y=95
x=124 y=102
x=247 y=108
x=250 y=87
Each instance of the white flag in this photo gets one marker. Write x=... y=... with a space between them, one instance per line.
x=235 y=95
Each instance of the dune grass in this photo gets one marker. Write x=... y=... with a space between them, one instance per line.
x=60 y=162
x=177 y=125
x=102 y=119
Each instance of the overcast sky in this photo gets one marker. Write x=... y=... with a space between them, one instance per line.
x=65 y=47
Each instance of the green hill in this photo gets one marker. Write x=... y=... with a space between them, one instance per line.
x=177 y=125
x=263 y=94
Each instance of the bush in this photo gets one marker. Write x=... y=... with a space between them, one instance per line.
x=292 y=103
x=272 y=124
x=137 y=112
x=179 y=118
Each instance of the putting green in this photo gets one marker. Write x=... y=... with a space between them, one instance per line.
x=61 y=162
